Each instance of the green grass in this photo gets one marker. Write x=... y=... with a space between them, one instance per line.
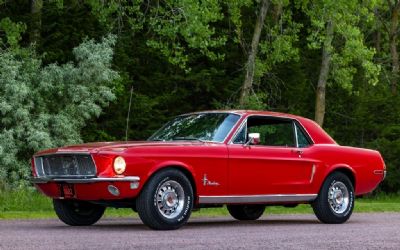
x=29 y=204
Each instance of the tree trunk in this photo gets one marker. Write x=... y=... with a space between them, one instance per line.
x=277 y=12
x=36 y=21
x=250 y=64
x=394 y=24
x=323 y=75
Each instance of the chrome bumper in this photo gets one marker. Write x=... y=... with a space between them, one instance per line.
x=38 y=180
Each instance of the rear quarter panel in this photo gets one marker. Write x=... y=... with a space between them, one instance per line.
x=361 y=162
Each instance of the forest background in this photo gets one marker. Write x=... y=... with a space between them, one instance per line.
x=67 y=69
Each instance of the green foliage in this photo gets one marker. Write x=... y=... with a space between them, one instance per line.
x=62 y=30
x=235 y=15
x=379 y=121
x=46 y=106
x=174 y=27
x=280 y=44
x=23 y=199
x=12 y=32
x=348 y=49
x=186 y=22
x=257 y=101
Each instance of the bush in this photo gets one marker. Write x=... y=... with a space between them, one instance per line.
x=47 y=106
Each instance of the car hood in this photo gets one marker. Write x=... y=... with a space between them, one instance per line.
x=117 y=146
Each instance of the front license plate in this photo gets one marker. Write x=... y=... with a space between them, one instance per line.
x=67 y=190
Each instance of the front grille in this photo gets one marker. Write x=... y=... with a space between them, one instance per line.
x=65 y=165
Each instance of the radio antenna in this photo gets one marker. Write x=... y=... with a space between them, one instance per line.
x=127 y=118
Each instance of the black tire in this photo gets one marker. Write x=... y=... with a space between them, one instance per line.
x=77 y=213
x=169 y=185
x=324 y=206
x=246 y=212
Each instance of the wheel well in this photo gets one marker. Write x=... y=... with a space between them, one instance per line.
x=186 y=172
x=348 y=173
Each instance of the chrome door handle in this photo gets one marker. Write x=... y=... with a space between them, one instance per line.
x=297 y=151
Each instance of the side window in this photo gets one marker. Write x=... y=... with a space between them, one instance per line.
x=273 y=131
x=302 y=139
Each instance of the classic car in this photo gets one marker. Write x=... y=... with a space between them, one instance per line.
x=246 y=160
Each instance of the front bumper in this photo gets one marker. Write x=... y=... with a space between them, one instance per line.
x=37 y=180
x=91 y=189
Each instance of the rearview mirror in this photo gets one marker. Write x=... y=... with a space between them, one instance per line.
x=254 y=139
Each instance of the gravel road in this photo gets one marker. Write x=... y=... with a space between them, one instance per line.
x=363 y=231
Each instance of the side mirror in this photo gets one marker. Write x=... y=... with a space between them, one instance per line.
x=254 y=139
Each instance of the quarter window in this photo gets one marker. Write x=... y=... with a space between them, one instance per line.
x=302 y=139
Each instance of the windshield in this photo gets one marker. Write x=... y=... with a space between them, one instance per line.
x=202 y=127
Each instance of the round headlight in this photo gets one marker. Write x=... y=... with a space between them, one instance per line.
x=119 y=165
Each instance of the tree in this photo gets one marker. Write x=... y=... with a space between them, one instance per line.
x=387 y=19
x=12 y=33
x=174 y=28
x=394 y=9
x=272 y=42
x=323 y=74
x=46 y=106
x=251 y=60
x=36 y=20
x=335 y=31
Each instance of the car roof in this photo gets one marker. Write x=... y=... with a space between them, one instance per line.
x=317 y=134
x=250 y=112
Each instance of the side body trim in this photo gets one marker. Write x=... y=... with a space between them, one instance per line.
x=257 y=198
x=312 y=173
x=85 y=180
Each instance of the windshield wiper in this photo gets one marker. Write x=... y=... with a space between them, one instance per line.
x=187 y=138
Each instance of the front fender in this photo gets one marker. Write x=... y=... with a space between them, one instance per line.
x=176 y=164
x=166 y=164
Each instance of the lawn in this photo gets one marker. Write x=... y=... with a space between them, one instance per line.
x=29 y=204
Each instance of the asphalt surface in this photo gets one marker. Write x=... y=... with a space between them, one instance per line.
x=362 y=231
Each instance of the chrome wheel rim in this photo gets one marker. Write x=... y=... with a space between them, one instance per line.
x=170 y=199
x=338 y=197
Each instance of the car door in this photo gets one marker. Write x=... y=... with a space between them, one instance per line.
x=276 y=165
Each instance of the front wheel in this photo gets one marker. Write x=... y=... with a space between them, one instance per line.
x=166 y=201
x=335 y=201
x=77 y=213
x=246 y=212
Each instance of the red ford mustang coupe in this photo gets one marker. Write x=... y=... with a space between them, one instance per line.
x=244 y=159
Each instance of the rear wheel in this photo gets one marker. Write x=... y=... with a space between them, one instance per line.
x=246 y=212
x=77 y=213
x=166 y=201
x=335 y=201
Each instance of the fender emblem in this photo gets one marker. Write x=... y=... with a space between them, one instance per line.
x=207 y=182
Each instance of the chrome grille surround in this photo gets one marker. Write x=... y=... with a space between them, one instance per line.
x=71 y=165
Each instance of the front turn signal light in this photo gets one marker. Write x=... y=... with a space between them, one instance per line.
x=119 y=165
